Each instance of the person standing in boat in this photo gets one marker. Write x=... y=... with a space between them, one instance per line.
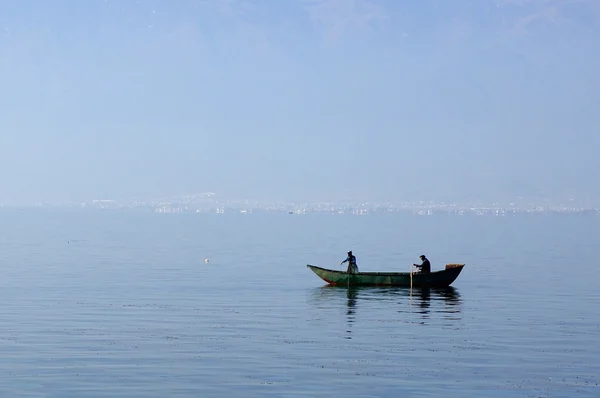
x=351 y=260
x=425 y=266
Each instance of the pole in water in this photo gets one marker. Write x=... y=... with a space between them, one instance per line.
x=348 y=276
x=411 y=269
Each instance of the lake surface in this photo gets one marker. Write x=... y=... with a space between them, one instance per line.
x=116 y=304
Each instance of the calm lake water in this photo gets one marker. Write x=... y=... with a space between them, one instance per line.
x=110 y=304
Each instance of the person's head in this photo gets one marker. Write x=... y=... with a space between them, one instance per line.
x=422 y=257
x=350 y=253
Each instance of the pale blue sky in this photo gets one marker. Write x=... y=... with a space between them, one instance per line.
x=284 y=99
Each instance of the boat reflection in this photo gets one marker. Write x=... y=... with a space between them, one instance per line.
x=448 y=295
x=424 y=301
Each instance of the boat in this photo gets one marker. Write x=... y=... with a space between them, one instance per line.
x=441 y=278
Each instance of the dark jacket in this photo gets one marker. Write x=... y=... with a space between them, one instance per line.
x=425 y=266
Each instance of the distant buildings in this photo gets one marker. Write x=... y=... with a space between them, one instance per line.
x=211 y=203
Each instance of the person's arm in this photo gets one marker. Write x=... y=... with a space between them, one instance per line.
x=344 y=261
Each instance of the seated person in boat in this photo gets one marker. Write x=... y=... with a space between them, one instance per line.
x=351 y=259
x=425 y=266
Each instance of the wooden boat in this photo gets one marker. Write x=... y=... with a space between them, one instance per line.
x=442 y=278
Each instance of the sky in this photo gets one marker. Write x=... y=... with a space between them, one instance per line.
x=378 y=100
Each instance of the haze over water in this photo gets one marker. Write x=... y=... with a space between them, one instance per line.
x=308 y=100
x=122 y=304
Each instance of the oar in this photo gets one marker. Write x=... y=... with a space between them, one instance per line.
x=348 y=278
x=348 y=271
x=411 y=269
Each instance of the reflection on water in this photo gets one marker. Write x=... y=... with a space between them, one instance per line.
x=351 y=295
x=450 y=296
x=359 y=302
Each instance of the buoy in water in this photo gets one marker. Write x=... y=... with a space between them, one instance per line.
x=205 y=261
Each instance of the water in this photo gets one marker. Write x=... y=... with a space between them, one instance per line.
x=110 y=304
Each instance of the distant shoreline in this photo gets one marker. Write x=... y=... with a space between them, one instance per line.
x=310 y=210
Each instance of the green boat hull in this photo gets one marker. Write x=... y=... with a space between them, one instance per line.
x=442 y=278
